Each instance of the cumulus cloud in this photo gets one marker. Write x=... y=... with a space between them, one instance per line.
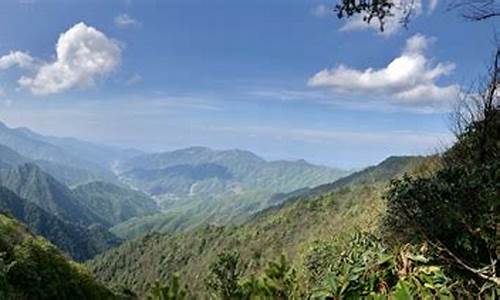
x=124 y=21
x=83 y=54
x=16 y=58
x=392 y=24
x=408 y=79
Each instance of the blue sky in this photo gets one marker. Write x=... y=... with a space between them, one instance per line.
x=284 y=79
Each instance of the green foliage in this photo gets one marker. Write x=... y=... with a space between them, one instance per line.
x=225 y=274
x=278 y=281
x=114 y=204
x=456 y=209
x=362 y=267
x=172 y=291
x=32 y=268
x=198 y=186
x=289 y=227
x=5 y=287
x=78 y=241
x=353 y=269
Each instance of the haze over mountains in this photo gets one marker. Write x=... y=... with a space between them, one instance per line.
x=78 y=193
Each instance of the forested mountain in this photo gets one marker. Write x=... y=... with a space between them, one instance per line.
x=288 y=228
x=113 y=203
x=385 y=171
x=78 y=241
x=31 y=183
x=199 y=185
x=198 y=170
x=32 y=268
x=74 y=157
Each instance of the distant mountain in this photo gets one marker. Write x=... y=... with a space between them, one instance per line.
x=77 y=159
x=29 y=182
x=113 y=203
x=32 y=268
x=10 y=158
x=197 y=170
x=386 y=170
x=72 y=176
x=79 y=242
x=292 y=227
x=95 y=153
x=199 y=185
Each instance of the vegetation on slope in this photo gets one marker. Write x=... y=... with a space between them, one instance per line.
x=289 y=228
x=113 y=203
x=197 y=186
x=29 y=182
x=37 y=147
x=433 y=234
x=32 y=268
x=79 y=242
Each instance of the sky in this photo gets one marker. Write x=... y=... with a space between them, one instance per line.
x=285 y=79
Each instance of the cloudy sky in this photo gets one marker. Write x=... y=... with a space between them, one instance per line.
x=282 y=78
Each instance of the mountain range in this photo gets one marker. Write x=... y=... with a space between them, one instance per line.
x=301 y=218
x=79 y=193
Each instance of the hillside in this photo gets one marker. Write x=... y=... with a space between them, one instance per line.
x=79 y=242
x=32 y=268
x=113 y=203
x=29 y=182
x=10 y=158
x=198 y=170
x=287 y=228
x=199 y=185
x=61 y=152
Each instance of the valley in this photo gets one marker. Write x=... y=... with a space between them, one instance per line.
x=249 y=150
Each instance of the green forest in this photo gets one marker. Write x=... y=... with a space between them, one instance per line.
x=84 y=221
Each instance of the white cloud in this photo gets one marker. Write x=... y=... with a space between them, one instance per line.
x=392 y=24
x=124 y=21
x=16 y=58
x=409 y=79
x=432 y=5
x=322 y=11
x=83 y=54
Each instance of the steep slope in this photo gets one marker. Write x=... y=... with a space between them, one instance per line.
x=31 y=183
x=32 y=268
x=71 y=176
x=288 y=228
x=113 y=203
x=10 y=158
x=386 y=170
x=66 y=174
x=55 y=150
x=79 y=242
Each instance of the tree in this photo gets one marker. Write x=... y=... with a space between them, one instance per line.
x=225 y=274
x=474 y=10
x=458 y=209
x=172 y=291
